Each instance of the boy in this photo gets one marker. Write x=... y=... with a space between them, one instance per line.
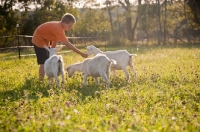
x=52 y=31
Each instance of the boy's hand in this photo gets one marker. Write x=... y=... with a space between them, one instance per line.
x=84 y=55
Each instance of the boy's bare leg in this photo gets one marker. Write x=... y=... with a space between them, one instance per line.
x=41 y=72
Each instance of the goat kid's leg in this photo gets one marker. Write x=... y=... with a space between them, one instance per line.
x=84 y=78
x=49 y=80
x=62 y=73
x=114 y=73
x=108 y=74
x=63 y=78
x=57 y=82
x=105 y=78
x=97 y=80
x=126 y=74
x=57 y=79
x=134 y=72
x=55 y=74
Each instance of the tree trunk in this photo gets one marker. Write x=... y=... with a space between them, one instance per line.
x=119 y=25
x=165 y=22
x=129 y=22
x=137 y=19
x=111 y=24
x=147 y=36
x=187 y=36
x=129 y=28
x=127 y=7
x=159 y=32
x=134 y=27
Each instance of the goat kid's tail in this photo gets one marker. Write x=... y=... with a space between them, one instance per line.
x=60 y=64
x=113 y=61
x=59 y=59
x=133 y=55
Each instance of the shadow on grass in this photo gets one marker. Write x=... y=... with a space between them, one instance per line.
x=91 y=88
x=84 y=91
x=33 y=89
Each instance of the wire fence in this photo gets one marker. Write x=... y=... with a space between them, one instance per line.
x=24 y=41
x=20 y=43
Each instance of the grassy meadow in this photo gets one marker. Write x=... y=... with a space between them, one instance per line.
x=165 y=96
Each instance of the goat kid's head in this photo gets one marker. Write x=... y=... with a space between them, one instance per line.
x=90 y=49
x=52 y=51
x=70 y=71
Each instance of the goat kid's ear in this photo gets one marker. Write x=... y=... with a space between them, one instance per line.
x=46 y=47
x=88 y=48
x=59 y=48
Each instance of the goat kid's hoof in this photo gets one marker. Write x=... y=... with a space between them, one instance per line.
x=128 y=82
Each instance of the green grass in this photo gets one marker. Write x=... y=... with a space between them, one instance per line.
x=164 y=97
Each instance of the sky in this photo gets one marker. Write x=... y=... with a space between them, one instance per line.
x=116 y=1
x=102 y=2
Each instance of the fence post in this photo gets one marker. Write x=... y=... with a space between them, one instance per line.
x=105 y=38
x=18 y=47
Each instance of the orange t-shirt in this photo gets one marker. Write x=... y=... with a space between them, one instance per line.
x=49 y=31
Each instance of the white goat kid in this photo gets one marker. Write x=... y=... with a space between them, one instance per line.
x=122 y=57
x=71 y=69
x=98 y=66
x=54 y=65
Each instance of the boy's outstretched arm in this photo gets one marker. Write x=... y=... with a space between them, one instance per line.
x=72 y=47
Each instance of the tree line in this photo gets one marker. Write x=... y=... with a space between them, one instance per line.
x=121 y=21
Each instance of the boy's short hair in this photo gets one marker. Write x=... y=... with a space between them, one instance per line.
x=68 y=18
